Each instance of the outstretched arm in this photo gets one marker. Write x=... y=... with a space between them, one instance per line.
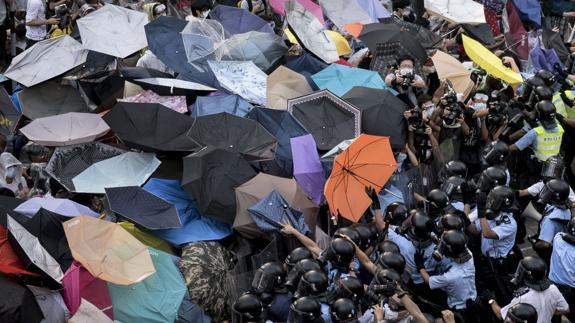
x=307 y=242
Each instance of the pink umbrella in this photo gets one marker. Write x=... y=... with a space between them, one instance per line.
x=315 y=9
x=176 y=103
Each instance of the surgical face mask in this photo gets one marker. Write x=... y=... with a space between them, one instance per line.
x=479 y=105
x=204 y=14
x=406 y=11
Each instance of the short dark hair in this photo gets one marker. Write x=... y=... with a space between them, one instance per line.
x=400 y=4
x=422 y=98
x=405 y=58
x=201 y=5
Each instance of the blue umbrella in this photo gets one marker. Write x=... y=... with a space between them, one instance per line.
x=195 y=227
x=306 y=65
x=272 y=211
x=529 y=10
x=232 y=104
x=282 y=125
x=239 y=21
x=340 y=79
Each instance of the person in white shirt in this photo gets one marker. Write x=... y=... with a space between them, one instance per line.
x=36 y=21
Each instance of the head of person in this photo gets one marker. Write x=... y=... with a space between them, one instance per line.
x=248 y=308
x=365 y=235
x=555 y=192
x=346 y=287
x=425 y=102
x=298 y=270
x=392 y=260
x=387 y=246
x=531 y=272
x=343 y=310
x=456 y=168
x=201 y=8
x=340 y=253
x=450 y=221
x=419 y=233
x=490 y=178
x=452 y=245
x=395 y=213
x=437 y=201
x=500 y=199
x=269 y=277
x=451 y=113
x=545 y=112
x=159 y=9
x=305 y=310
x=296 y=255
x=480 y=99
x=313 y=283
x=402 y=8
x=384 y=283
x=521 y=313
x=494 y=154
x=454 y=187
x=350 y=233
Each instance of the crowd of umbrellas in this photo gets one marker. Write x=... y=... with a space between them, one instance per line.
x=245 y=139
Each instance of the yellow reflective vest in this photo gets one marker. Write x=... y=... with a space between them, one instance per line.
x=562 y=108
x=547 y=143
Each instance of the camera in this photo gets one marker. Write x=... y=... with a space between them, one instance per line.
x=407 y=77
x=454 y=112
x=62 y=13
x=416 y=121
x=477 y=76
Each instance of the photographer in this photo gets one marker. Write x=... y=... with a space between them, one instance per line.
x=36 y=22
x=452 y=128
x=405 y=81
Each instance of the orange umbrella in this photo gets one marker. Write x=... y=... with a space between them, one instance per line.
x=367 y=162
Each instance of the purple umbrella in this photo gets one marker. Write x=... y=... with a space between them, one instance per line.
x=308 y=171
x=239 y=21
x=374 y=9
x=63 y=207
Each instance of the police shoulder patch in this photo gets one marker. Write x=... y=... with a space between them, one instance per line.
x=521 y=291
x=505 y=219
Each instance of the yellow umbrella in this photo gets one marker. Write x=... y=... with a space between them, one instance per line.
x=284 y=84
x=148 y=239
x=489 y=61
x=340 y=42
x=449 y=68
x=108 y=251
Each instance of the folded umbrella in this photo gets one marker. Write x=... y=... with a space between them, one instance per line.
x=307 y=168
x=381 y=113
x=340 y=79
x=50 y=99
x=155 y=299
x=449 y=68
x=239 y=21
x=343 y=12
x=45 y=60
x=176 y=103
x=233 y=104
x=63 y=207
x=9 y=114
x=65 y=129
x=127 y=169
x=143 y=208
x=67 y=162
x=457 y=11
x=367 y=162
x=195 y=226
x=114 y=30
x=327 y=117
x=226 y=131
x=151 y=127
x=80 y=286
x=18 y=303
x=272 y=212
x=242 y=78
x=170 y=86
x=108 y=251
x=263 y=49
x=284 y=84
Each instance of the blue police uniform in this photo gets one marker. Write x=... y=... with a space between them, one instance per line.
x=505 y=227
x=408 y=251
x=562 y=270
x=334 y=274
x=458 y=282
x=554 y=221
x=325 y=313
x=279 y=309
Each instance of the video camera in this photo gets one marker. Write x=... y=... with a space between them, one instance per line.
x=407 y=77
x=63 y=13
x=477 y=76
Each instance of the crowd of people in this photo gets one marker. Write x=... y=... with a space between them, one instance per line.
x=448 y=237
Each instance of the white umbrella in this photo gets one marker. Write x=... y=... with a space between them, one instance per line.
x=128 y=169
x=114 y=30
x=45 y=60
x=457 y=11
x=264 y=49
x=343 y=12
x=161 y=82
x=242 y=78
x=311 y=33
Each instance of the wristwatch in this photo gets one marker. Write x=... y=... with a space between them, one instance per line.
x=491 y=301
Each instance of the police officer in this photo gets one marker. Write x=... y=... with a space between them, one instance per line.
x=459 y=279
x=437 y=202
x=562 y=270
x=296 y=255
x=455 y=187
x=314 y=284
x=455 y=168
x=338 y=258
x=521 y=313
x=344 y=310
x=347 y=287
x=495 y=155
x=248 y=308
x=535 y=289
x=269 y=284
x=305 y=310
x=552 y=168
x=489 y=179
x=386 y=246
x=450 y=221
x=298 y=270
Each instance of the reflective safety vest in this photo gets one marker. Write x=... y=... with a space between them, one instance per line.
x=548 y=143
x=562 y=108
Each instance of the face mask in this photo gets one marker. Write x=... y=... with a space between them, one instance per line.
x=205 y=14
x=429 y=110
x=406 y=11
x=400 y=158
x=479 y=105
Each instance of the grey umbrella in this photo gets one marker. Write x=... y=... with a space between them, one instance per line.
x=264 y=49
x=50 y=99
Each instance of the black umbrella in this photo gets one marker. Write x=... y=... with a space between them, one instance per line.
x=227 y=131
x=426 y=37
x=386 y=56
x=96 y=64
x=49 y=99
x=170 y=86
x=134 y=73
x=151 y=127
x=67 y=162
x=143 y=208
x=210 y=177
x=374 y=34
x=103 y=91
x=7 y=206
x=327 y=117
x=553 y=40
x=17 y=303
x=381 y=113
x=9 y=115
x=481 y=33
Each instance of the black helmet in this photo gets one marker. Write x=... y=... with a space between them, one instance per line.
x=546 y=76
x=364 y=235
x=340 y=253
x=454 y=187
x=456 y=167
x=521 y=313
x=569 y=235
x=420 y=231
x=491 y=177
x=495 y=154
x=545 y=111
x=313 y=283
x=556 y=192
x=392 y=260
x=248 y=309
x=387 y=246
x=385 y=282
x=395 y=213
x=500 y=199
x=350 y=233
x=543 y=92
x=343 y=310
x=305 y=310
x=374 y=233
x=452 y=245
x=296 y=255
x=450 y=221
x=438 y=200
x=531 y=272
x=269 y=277
x=553 y=167
x=528 y=95
x=300 y=268
x=346 y=287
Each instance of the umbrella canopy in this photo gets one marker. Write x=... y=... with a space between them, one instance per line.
x=310 y=32
x=195 y=226
x=378 y=35
x=489 y=62
x=283 y=126
x=367 y=162
x=226 y=131
x=147 y=238
x=176 y=103
x=239 y=21
x=307 y=168
x=115 y=31
x=128 y=169
x=51 y=304
x=279 y=7
x=553 y=40
x=9 y=114
x=210 y=176
x=284 y=84
x=481 y=32
x=263 y=49
x=381 y=113
x=66 y=129
x=41 y=244
x=18 y=304
x=201 y=38
x=343 y=12
x=242 y=78
x=50 y=99
x=273 y=211
x=143 y=208
x=108 y=251
x=259 y=187
x=327 y=117
x=306 y=65
x=171 y=86
x=457 y=11
x=449 y=68
x=529 y=10
x=151 y=127
x=63 y=207
x=515 y=32
x=80 y=286
x=10 y=263
x=426 y=37
x=374 y=9
x=45 y=60
x=233 y=104
x=340 y=79
x=67 y=162
x=96 y=65
x=88 y=313
x=205 y=266
x=155 y=299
